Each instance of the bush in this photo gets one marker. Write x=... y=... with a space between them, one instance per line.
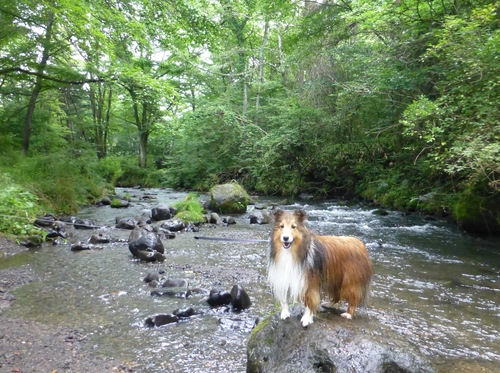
x=18 y=209
x=189 y=210
x=133 y=175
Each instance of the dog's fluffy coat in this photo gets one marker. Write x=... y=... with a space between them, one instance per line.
x=302 y=265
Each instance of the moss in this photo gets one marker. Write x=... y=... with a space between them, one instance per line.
x=190 y=210
x=229 y=198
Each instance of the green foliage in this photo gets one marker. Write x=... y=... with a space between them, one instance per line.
x=387 y=100
x=131 y=175
x=62 y=181
x=110 y=169
x=190 y=210
x=213 y=146
x=18 y=209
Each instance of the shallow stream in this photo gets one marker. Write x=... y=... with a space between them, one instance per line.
x=433 y=284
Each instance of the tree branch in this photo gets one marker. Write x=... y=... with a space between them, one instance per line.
x=47 y=77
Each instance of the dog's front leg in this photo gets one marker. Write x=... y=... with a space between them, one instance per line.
x=285 y=312
x=307 y=319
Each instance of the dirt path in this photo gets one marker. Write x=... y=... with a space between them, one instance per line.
x=32 y=347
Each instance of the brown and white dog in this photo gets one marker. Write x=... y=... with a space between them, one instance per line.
x=303 y=264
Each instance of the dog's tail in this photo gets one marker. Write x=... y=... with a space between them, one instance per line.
x=365 y=299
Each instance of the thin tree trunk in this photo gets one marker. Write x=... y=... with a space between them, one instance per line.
x=38 y=85
x=261 y=64
x=282 y=60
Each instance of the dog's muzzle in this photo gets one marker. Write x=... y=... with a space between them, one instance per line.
x=286 y=242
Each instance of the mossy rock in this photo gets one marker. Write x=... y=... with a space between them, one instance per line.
x=229 y=198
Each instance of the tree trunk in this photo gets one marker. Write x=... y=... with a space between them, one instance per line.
x=38 y=84
x=143 y=149
x=261 y=64
x=282 y=60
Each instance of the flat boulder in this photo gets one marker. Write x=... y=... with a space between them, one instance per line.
x=331 y=344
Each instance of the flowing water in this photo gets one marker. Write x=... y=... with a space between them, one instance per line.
x=433 y=284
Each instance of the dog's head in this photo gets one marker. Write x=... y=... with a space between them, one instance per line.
x=288 y=227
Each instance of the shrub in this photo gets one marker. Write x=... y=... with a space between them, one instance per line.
x=18 y=209
x=189 y=210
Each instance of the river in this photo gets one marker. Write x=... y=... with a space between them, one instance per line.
x=434 y=284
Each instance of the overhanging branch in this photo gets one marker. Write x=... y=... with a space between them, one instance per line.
x=48 y=77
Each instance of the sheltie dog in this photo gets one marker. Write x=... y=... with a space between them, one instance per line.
x=302 y=265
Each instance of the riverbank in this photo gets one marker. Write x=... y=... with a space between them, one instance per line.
x=29 y=346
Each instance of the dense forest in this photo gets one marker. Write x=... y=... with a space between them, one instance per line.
x=395 y=102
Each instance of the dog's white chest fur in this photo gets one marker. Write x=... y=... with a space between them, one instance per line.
x=286 y=277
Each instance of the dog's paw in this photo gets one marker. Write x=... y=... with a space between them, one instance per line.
x=306 y=320
x=285 y=314
x=346 y=315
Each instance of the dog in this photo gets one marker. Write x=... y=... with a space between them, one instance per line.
x=302 y=265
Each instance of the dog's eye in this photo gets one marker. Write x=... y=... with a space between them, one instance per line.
x=294 y=226
x=282 y=226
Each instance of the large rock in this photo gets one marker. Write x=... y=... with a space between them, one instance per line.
x=229 y=198
x=331 y=344
x=162 y=212
x=260 y=217
x=140 y=241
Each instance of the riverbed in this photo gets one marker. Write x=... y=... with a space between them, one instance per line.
x=434 y=284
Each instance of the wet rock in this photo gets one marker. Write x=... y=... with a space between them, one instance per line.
x=381 y=212
x=104 y=201
x=99 y=238
x=219 y=298
x=83 y=224
x=51 y=233
x=191 y=227
x=120 y=203
x=165 y=234
x=160 y=320
x=153 y=284
x=162 y=212
x=229 y=220
x=150 y=256
x=260 y=217
x=215 y=219
x=331 y=344
x=126 y=223
x=57 y=229
x=184 y=313
x=240 y=299
x=31 y=243
x=60 y=228
x=173 y=225
x=175 y=282
x=151 y=276
x=200 y=292
x=142 y=240
x=45 y=221
x=173 y=292
x=81 y=247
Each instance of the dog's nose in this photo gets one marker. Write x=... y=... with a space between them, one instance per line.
x=285 y=238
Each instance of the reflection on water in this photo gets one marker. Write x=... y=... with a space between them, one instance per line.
x=433 y=284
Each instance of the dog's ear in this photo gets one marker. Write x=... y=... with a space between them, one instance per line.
x=278 y=214
x=300 y=215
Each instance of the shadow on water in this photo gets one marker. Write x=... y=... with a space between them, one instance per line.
x=433 y=284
